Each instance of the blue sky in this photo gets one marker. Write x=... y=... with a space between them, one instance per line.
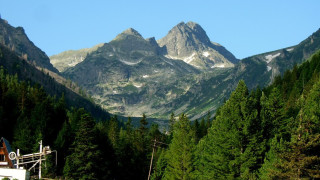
x=244 y=27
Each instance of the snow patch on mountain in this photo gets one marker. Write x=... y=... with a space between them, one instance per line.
x=185 y=59
x=205 y=54
x=189 y=59
x=218 y=66
x=290 y=49
x=269 y=68
x=270 y=57
x=129 y=63
x=137 y=85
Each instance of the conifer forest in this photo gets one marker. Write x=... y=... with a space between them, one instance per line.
x=264 y=133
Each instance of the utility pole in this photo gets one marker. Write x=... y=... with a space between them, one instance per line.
x=154 y=146
x=153 y=149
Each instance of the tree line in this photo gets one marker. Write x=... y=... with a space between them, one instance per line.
x=269 y=133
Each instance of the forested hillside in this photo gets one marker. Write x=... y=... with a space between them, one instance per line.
x=15 y=65
x=268 y=133
x=272 y=133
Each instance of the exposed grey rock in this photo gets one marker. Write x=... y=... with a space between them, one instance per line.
x=17 y=40
x=190 y=43
x=129 y=76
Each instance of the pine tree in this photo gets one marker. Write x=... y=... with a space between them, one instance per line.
x=62 y=144
x=160 y=165
x=197 y=130
x=233 y=147
x=172 y=120
x=301 y=159
x=180 y=153
x=143 y=124
x=113 y=131
x=107 y=161
x=273 y=117
x=82 y=163
x=269 y=168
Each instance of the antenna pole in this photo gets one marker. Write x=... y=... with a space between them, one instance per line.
x=40 y=159
x=18 y=155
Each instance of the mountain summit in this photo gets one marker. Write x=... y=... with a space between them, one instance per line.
x=190 y=43
x=129 y=32
x=131 y=75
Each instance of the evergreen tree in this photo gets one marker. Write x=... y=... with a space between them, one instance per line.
x=233 y=147
x=82 y=163
x=23 y=138
x=62 y=144
x=113 y=131
x=269 y=168
x=107 y=161
x=273 y=117
x=172 y=120
x=160 y=166
x=301 y=158
x=143 y=124
x=203 y=129
x=154 y=133
x=197 y=130
x=180 y=153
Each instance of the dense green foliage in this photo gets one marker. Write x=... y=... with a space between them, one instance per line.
x=272 y=133
x=180 y=152
x=86 y=149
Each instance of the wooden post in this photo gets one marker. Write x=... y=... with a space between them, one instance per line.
x=154 y=146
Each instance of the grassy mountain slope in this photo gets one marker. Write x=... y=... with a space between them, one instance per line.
x=70 y=58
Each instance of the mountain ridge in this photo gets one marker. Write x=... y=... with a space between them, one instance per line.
x=212 y=54
x=125 y=74
x=128 y=72
x=17 y=40
x=257 y=71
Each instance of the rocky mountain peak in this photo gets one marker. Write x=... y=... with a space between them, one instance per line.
x=181 y=40
x=129 y=32
x=199 y=32
x=153 y=42
x=190 y=43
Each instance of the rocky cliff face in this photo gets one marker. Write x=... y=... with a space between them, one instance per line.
x=17 y=40
x=70 y=58
x=187 y=42
x=129 y=76
x=190 y=43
